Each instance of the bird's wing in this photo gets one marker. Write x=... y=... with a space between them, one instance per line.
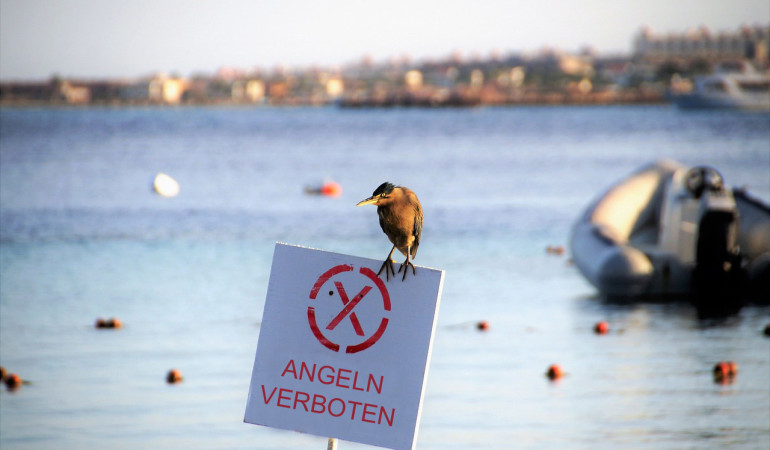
x=380 y=215
x=417 y=230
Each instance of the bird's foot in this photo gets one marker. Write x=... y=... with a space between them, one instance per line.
x=389 y=270
x=405 y=267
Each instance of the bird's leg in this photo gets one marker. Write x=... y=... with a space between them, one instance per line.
x=388 y=266
x=405 y=266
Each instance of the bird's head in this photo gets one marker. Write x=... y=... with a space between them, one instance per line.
x=379 y=195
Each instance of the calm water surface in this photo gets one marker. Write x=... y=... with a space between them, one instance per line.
x=82 y=236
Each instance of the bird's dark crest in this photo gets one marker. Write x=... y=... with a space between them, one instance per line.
x=384 y=188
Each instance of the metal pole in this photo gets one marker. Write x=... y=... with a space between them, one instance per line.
x=332 y=445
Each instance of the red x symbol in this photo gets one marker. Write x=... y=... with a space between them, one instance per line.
x=347 y=310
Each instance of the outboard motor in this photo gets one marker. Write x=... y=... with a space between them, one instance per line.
x=700 y=224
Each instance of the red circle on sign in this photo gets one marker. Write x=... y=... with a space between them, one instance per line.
x=347 y=311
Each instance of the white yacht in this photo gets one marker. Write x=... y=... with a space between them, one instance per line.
x=734 y=86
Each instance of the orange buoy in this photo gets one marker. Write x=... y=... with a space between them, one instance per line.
x=554 y=372
x=12 y=382
x=601 y=328
x=108 y=323
x=174 y=376
x=721 y=369
x=554 y=250
x=331 y=189
x=482 y=325
x=3 y=373
x=725 y=372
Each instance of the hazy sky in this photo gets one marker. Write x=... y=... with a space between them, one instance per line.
x=107 y=39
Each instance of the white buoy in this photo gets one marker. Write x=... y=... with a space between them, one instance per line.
x=165 y=186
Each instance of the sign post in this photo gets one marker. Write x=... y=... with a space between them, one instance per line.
x=342 y=352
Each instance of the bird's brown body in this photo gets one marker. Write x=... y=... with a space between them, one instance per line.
x=401 y=218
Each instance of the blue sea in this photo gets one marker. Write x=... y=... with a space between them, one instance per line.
x=83 y=236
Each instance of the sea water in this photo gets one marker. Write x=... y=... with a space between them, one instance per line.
x=83 y=236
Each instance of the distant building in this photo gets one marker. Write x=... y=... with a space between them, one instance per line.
x=31 y=92
x=335 y=87
x=167 y=90
x=252 y=91
x=134 y=92
x=413 y=79
x=477 y=78
x=255 y=90
x=75 y=95
x=752 y=43
x=577 y=65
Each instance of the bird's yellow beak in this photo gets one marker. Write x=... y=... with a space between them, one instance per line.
x=369 y=201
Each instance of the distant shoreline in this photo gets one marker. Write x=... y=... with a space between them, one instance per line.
x=538 y=100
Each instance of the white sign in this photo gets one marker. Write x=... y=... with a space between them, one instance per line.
x=342 y=353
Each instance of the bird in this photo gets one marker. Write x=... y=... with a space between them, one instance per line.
x=401 y=217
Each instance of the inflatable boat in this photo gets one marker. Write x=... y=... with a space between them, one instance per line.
x=670 y=230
